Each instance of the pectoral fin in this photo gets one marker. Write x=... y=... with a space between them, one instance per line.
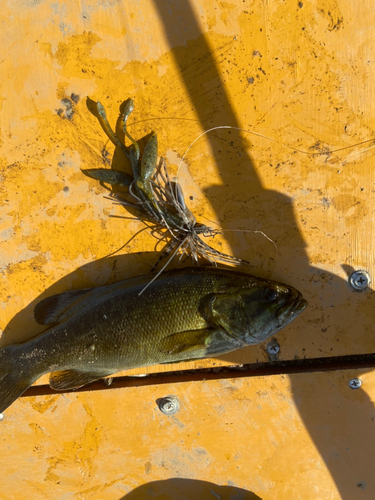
x=188 y=341
x=69 y=380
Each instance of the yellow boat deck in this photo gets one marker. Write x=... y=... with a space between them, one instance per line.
x=288 y=87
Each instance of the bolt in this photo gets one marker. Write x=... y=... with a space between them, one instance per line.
x=273 y=348
x=169 y=405
x=355 y=383
x=359 y=280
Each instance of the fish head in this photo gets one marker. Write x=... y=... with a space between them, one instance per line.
x=252 y=313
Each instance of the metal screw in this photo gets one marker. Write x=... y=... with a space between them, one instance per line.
x=169 y=405
x=1 y=417
x=359 y=280
x=355 y=383
x=273 y=348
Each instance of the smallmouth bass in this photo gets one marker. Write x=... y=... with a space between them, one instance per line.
x=186 y=314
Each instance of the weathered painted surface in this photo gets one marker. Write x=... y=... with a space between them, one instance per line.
x=306 y=436
x=299 y=73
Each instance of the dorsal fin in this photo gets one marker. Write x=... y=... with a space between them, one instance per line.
x=49 y=310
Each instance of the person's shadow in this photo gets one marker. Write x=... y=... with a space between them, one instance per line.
x=188 y=489
x=334 y=309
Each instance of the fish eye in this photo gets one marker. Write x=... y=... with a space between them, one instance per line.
x=271 y=294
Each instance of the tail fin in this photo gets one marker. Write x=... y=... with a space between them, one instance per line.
x=15 y=377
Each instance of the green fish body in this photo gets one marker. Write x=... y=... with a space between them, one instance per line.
x=185 y=314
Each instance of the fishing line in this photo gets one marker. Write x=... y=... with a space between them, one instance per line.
x=239 y=231
x=186 y=238
x=127 y=243
x=320 y=153
x=251 y=231
x=247 y=131
x=162 y=269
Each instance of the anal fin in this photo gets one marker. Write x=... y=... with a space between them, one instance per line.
x=69 y=380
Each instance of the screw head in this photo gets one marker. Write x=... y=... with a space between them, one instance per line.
x=1 y=417
x=355 y=383
x=359 y=280
x=169 y=405
x=273 y=348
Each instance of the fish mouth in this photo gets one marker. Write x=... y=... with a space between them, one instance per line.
x=294 y=309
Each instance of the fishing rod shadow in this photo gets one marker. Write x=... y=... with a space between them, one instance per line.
x=93 y=274
x=181 y=489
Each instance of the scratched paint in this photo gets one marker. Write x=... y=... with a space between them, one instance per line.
x=284 y=70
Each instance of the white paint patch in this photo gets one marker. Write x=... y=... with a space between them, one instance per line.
x=69 y=159
x=6 y=234
x=22 y=254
